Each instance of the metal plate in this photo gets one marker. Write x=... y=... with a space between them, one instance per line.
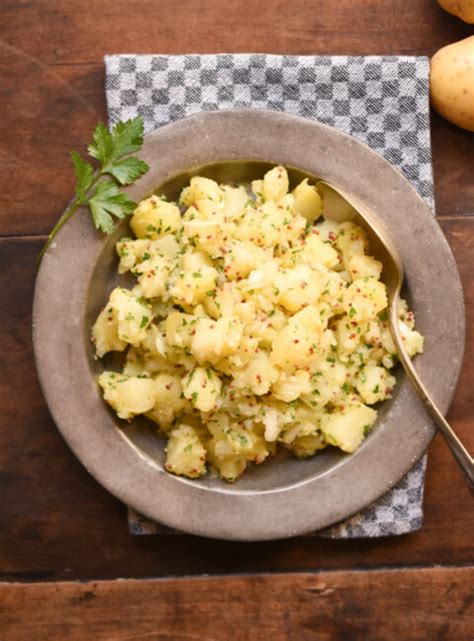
x=283 y=497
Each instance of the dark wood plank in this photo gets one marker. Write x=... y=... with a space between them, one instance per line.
x=46 y=115
x=59 y=31
x=56 y=522
x=52 y=76
x=413 y=605
x=453 y=159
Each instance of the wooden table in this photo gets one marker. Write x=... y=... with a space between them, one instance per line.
x=64 y=541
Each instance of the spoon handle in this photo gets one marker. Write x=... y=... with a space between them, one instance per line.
x=460 y=453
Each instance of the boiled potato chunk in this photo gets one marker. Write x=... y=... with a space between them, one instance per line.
x=123 y=320
x=154 y=218
x=348 y=335
x=318 y=252
x=308 y=202
x=412 y=339
x=257 y=376
x=293 y=349
x=214 y=339
x=299 y=287
x=105 y=333
x=347 y=429
x=179 y=329
x=374 y=384
x=306 y=446
x=185 y=454
x=201 y=189
x=235 y=201
x=275 y=183
x=132 y=252
x=191 y=287
x=152 y=275
x=232 y=447
x=169 y=399
x=360 y=266
x=289 y=387
x=364 y=299
x=240 y=259
x=128 y=396
x=351 y=239
x=202 y=387
x=262 y=226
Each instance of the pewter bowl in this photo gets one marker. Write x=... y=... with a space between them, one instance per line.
x=282 y=497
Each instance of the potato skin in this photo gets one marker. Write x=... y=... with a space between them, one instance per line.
x=463 y=9
x=452 y=83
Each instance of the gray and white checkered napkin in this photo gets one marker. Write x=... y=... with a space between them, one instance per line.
x=382 y=100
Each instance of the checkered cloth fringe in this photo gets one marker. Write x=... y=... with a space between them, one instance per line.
x=381 y=100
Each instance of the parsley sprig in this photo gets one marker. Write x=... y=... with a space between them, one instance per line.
x=98 y=183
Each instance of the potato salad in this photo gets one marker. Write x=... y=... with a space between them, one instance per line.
x=255 y=324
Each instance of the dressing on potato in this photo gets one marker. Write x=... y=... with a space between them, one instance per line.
x=254 y=324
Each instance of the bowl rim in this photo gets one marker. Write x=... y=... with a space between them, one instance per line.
x=314 y=503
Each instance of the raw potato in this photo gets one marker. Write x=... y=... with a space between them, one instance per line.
x=251 y=326
x=463 y=9
x=452 y=83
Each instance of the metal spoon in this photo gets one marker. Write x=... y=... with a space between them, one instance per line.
x=343 y=208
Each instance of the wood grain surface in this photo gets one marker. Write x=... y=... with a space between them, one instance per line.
x=56 y=523
x=407 y=605
x=52 y=73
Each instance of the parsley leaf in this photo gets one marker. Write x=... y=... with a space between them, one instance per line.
x=103 y=145
x=84 y=172
x=98 y=186
x=109 y=201
x=128 y=170
x=127 y=137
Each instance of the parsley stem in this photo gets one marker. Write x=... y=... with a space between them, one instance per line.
x=67 y=215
